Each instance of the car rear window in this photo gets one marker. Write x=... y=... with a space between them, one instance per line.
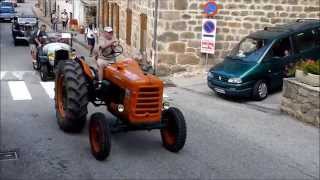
x=305 y=40
x=27 y=20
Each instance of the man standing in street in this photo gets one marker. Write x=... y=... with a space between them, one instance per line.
x=64 y=19
x=54 y=20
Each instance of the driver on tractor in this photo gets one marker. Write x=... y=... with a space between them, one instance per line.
x=105 y=49
x=40 y=38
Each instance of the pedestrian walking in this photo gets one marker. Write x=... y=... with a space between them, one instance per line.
x=91 y=34
x=64 y=19
x=55 y=21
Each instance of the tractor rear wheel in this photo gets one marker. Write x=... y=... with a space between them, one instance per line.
x=99 y=134
x=71 y=96
x=175 y=132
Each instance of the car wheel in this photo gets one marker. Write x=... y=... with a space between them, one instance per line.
x=15 y=42
x=260 y=90
x=100 y=136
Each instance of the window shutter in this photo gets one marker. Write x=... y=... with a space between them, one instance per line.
x=129 y=26
x=143 y=32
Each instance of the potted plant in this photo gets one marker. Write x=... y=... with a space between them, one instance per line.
x=308 y=72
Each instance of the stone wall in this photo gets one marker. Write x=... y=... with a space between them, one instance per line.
x=301 y=101
x=179 y=25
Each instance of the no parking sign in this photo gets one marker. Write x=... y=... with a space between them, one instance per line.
x=208 y=40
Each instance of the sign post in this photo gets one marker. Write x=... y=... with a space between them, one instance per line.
x=208 y=37
x=209 y=27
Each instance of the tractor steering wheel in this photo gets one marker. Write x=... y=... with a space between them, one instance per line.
x=116 y=50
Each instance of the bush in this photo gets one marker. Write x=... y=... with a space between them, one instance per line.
x=309 y=66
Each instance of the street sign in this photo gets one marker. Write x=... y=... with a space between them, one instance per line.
x=208 y=39
x=211 y=8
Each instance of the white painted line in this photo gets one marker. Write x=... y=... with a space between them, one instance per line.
x=49 y=88
x=18 y=74
x=19 y=90
x=2 y=74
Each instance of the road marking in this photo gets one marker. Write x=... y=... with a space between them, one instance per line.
x=18 y=74
x=49 y=88
x=2 y=74
x=19 y=90
x=15 y=75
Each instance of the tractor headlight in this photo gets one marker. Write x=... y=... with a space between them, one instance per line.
x=120 y=108
x=72 y=55
x=166 y=105
x=51 y=56
x=235 y=80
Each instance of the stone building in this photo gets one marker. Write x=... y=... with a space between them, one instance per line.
x=85 y=11
x=168 y=32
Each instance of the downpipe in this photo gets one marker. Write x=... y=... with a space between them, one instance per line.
x=155 y=37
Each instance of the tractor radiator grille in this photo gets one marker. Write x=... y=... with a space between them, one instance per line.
x=148 y=101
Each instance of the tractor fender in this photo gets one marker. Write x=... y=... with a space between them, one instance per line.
x=86 y=69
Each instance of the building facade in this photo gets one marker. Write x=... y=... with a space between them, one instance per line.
x=85 y=11
x=168 y=32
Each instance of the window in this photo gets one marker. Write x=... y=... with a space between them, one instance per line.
x=103 y=15
x=106 y=13
x=143 y=32
x=129 y=26
x=305 y=40
x=280 y=49
x=111 y=13
x=317 y=39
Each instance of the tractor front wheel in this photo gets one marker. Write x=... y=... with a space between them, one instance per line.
x=99 y=134
x=44 y=72
x=71 y=96
x=175 y=132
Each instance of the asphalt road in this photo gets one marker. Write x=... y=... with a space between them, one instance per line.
x=226 y=139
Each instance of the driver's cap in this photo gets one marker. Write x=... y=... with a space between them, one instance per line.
x=108 y=29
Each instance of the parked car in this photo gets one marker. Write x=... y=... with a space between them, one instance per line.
x=24 y=27
x=7 y=13
x=7 y=4
x=20 y=1
x=258 y=63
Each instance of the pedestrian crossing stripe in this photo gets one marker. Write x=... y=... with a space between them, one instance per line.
x=15 y=75
x=19 y=90
x=49 y=88
x=2 y=73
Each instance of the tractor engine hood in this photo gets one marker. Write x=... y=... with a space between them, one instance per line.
x=53 y=47
x=128 y=73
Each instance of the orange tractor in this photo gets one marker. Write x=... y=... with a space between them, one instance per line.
x=132 y=96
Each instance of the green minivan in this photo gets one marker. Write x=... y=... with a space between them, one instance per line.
x=258 y=63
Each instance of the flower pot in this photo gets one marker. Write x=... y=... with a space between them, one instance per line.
x=310 y=79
